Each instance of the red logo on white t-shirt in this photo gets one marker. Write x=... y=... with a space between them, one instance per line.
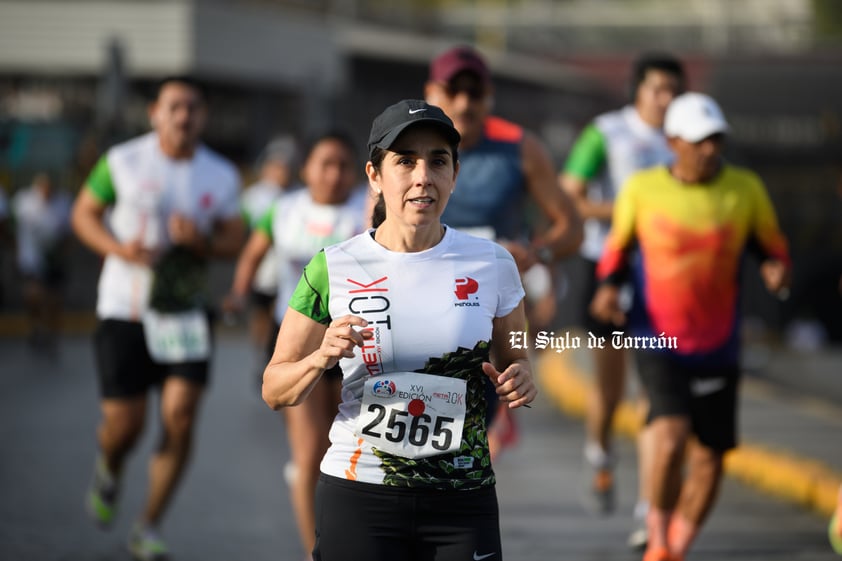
x=465 y=287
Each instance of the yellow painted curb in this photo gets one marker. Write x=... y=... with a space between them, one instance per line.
x=73 y=323
x=783 y=474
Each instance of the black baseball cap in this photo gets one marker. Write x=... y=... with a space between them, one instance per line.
x=395 y=118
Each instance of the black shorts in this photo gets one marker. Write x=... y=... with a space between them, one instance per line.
x=262 y=300
x=590 y=323
x=52 y=278
x=334 y=373
x=124 y=366
x=707 y=395
x=378 y=523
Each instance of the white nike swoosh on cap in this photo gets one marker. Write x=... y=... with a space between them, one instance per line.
x=477 y=557
x=413 y=111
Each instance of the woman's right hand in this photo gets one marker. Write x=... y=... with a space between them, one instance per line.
x=341 y=338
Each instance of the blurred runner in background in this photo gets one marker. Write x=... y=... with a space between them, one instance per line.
x=299 y=224
x=278 y=172
x=41 y=214
x=609 y=149
x=5 y=239
x=157 y=208
x=680 y=233
x=501 y=167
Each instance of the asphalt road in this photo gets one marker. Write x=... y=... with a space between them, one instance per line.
x=234 y=505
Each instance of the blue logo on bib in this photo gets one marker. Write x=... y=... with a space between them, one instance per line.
x=384 y=388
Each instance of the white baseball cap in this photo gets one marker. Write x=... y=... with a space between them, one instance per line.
x=693 y=117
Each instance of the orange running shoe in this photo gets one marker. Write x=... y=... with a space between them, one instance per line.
x=599 y=495
x=660 y=554
x=657 y=554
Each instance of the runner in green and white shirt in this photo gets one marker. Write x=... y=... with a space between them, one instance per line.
x=330 y=209
x=611 y=148
x=278 y=166
x=417 y=315
x=156 y=208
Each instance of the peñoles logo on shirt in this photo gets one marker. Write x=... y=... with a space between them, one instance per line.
x=464 y=288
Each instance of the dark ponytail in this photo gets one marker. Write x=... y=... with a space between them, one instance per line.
x=378 y=214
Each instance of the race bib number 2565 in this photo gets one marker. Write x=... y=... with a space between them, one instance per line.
x=413 y=415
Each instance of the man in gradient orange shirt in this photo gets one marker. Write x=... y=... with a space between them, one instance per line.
x=681 y=233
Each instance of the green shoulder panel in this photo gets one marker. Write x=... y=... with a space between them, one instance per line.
x=312 y=294
x=264 y=222
x=587 y=155
x=99 y=182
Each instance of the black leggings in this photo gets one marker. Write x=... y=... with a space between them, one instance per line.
x=357 y=521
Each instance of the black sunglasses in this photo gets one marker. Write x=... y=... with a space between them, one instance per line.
x=474 y=92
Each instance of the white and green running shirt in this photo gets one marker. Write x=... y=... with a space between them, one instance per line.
x=413 y=409
x=609 y=150
x=255 y=201
x=299 y=228
x=143 y=187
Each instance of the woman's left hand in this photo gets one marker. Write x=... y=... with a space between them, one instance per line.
x=514 y=384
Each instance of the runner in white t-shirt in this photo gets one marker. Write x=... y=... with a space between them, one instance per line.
x=156 y=208
x=5 y=236
x=278 y=166
x=41 y=214
x=299 y=224
x=608 y=150
x=417 y=315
